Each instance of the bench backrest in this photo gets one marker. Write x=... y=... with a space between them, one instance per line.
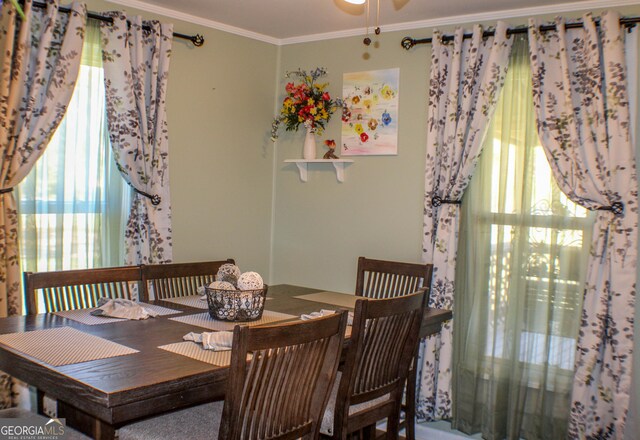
x=161 y=281
x=79 y=289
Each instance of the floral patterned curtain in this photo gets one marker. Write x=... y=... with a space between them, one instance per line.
x=40 y=59
x=582 y=106
x=466 y=78
x=136 y=67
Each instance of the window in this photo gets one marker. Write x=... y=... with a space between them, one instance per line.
x=542 y=225
x=521 y=267
x=74 y=203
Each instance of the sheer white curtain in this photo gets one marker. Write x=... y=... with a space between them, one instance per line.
x=74 y=203
x=520 y=276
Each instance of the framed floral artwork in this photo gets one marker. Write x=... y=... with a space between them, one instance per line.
x=370 y=113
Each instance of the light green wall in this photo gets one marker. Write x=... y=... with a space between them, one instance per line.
x=322 y=226
x=220 y=105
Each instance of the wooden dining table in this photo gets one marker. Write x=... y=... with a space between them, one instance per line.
x=98 y=396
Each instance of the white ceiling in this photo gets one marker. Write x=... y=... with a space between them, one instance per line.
x=290 y=21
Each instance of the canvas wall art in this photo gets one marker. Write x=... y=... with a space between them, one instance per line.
x=370 y=113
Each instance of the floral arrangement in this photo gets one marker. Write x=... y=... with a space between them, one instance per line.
x=307 y=103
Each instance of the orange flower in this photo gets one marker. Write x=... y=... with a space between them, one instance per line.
x=330 y=143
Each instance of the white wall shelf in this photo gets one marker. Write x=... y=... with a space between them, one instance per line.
x=338 y=164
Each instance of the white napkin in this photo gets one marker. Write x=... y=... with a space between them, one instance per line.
x=122 y=308
x=325 y=312
x=216 y=341
x=314 y=315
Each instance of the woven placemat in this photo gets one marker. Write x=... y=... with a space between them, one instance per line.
x=337 y=299
x=204 y=320
x=195 y=351
x=189 y=301
x=84 y=316
x=63 y=346
x=192 y=301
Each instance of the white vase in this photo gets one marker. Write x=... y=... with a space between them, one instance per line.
x=309 y=148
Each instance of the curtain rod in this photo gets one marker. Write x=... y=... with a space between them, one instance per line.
x=197 y=40
x=408 y=42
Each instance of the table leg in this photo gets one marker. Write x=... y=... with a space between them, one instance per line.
x=40 y=401
x=85 y=423
x=410 y=409
x=409 y=406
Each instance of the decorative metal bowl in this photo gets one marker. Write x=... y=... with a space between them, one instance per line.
x=236 y=305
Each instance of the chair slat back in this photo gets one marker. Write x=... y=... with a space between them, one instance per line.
x=282 y=391
x=179 y=279
x=79 y=289
x=383 y=341
x=380 y=279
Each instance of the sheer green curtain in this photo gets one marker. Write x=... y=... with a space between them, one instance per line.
x=73 y=205
x=522 y=261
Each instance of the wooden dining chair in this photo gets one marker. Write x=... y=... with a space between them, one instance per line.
x=178 y=279
x=79 y=289
x=279 y=382
x=370 y=386
x=387 y=279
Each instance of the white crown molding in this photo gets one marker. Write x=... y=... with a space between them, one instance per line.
x=469 y=18
x=171 y=13
x=444 y=21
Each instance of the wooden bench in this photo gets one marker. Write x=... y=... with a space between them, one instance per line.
x=79 y=289
x=161 y=281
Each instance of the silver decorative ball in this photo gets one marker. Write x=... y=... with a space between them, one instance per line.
x=228 y=272
x=222 y=285
x=250 y=281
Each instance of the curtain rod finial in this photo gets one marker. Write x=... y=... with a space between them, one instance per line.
x=408 y=42
x=197 y=40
